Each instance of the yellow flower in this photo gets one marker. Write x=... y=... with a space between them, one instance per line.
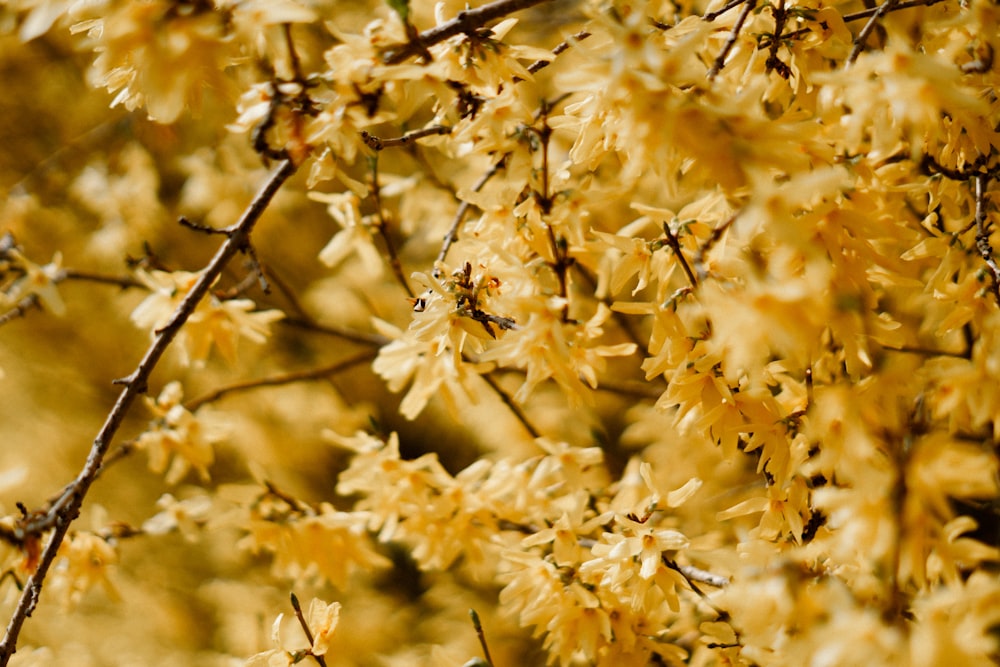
x=221 y=324
x=37 y=281
x=179 y=437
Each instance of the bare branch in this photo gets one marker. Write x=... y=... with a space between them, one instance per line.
x=510 y=403
x=467 y=21
x=68 y=507
x=562 y=46
x=377 y=144
x=983 y=235
x=673 y=240
x=305 y=629
x=463 y=208
x=720 y=60
x=279 y=380
x=862 y=38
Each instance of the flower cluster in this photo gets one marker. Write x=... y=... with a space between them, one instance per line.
x=709 y=291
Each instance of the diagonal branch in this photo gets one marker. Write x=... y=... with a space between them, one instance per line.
x=466 y=21
x=862 y=38
x=734 y=34
x=67 y=507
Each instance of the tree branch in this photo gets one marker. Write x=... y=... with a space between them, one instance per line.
x=67 y=508
x=983 y=236
x=720 y=60
x=466 y=21
x=278 y=380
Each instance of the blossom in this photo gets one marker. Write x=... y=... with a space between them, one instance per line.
x=321 y=619
x=179 y=437
x=215 y=322
x=221 y=323
x=158 y=55
x=36 y=281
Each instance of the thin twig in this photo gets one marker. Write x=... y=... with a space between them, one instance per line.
x=463 y=208
x=19 y=309
x=674 y=242
x=859 y=41
x=560 y=47
x=478 y=626
x=68 y=507
x=720 y=60
x=467 y=21
x=983 y=235
x=684 y=572
x=305 y=628
x=510 y=403
x=733 y=4
x=863 y=14
x=360 y=337
x=773 y=61
x=383 y=230
x=125 y=282
x=377 y=144
x=693 y=573
x=706 y=247
x=279 y=380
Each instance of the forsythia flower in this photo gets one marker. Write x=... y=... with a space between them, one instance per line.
x=321 y=619
x=158 y=55
x=179 y=437
x=37 y=281
x=215 y=322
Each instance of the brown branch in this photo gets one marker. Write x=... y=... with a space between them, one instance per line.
x=19 y=309
x=720 y=60
x=673 y=241
x=383 y=230
x=478 y=627
x=510 y=403
x=377 y=144
x=305 y=628
x=711 y=16
x=773 y=61
x=67 y=508
x=699 y=259
x=125 y=282
x=279 y=380
x=359 y=337
x=983 y=235
x=463 y=208
x=859 y=41
x=560 y=47
x=863 y=14
x=467 y=21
